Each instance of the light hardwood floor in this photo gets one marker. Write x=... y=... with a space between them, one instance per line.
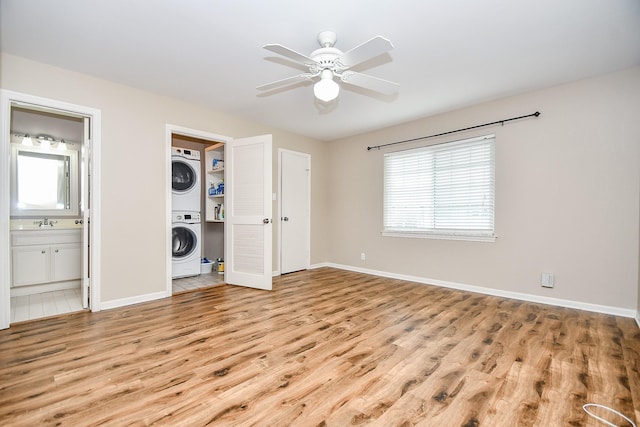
x=324 y=348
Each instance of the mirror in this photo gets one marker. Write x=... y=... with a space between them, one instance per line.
x=44 y=181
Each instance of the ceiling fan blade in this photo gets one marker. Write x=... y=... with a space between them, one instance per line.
x=367 y=50
x=369 y=82
x=291 y=54
x=286 y=82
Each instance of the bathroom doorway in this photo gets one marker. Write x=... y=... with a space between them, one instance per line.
x=50 y=262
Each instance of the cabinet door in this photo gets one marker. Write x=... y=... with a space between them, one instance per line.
x=66 y=262
x=30 y=265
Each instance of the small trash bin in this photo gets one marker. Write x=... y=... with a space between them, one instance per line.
x=206 y=266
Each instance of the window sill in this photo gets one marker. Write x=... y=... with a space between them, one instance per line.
x=443 y=236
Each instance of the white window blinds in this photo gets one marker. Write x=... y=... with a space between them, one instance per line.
x=441 y=191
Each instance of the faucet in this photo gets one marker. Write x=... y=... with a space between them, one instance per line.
x=45 y=222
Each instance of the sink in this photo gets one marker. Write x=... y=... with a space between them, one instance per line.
x=28 y=224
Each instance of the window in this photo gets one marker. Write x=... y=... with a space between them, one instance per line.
x=441 y=191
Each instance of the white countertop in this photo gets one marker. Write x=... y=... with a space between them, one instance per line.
x=30 y=224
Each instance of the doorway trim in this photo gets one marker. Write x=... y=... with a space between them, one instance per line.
x=7 y=98
x=171 y=130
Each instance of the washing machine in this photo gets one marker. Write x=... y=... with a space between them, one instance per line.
x=185 y=179
x=186 y=235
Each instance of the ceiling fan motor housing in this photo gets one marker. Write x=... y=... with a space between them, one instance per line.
x=325 y=58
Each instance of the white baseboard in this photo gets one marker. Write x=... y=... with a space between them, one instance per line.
x=616 y=311
x=106 y=305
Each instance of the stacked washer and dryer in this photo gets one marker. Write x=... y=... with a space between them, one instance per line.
x=186 y=229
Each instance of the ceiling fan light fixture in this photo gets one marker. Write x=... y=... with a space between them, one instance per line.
x=326 y=90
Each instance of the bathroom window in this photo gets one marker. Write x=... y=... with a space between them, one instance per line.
x=43 y=181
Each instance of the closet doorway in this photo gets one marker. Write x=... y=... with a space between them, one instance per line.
x=247 y=221
x=210 y=233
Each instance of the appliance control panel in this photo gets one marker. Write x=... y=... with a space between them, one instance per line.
x=189 y=217
x=186 y=153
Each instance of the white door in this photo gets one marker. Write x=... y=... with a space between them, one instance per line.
x=247 y=212
x=85 y=176
x=295 y=203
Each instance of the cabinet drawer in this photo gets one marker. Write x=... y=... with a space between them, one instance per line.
x=45 y=237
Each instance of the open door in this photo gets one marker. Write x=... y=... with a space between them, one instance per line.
x=248 y=222
x=85 y=207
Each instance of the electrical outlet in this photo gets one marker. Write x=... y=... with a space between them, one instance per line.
x=363 y=256
x=546 y=280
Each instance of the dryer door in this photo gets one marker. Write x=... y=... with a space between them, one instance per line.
x=183 y=176
x=184 y=242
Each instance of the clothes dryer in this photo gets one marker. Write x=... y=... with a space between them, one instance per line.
x=186 y=235
x=186 y=184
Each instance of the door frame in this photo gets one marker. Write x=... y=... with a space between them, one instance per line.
x=279 y=216
x=7 y=98
x=171 y=130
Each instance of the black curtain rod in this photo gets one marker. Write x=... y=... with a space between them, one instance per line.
x=502 y=122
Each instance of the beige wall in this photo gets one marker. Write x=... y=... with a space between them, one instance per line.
x=567 y=187
x=567 y=196
x=133 y=139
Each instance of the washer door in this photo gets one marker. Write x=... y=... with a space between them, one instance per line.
x=184 y=242
x=183 y=176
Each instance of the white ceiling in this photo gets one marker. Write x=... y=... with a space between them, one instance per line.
x=448 y=54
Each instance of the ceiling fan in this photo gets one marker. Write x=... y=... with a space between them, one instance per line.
x=329 y=62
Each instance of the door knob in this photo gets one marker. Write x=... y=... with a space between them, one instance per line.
x=286 y=218
x=266 y=221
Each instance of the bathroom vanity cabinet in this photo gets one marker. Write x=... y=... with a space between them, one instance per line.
x=45 y=256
